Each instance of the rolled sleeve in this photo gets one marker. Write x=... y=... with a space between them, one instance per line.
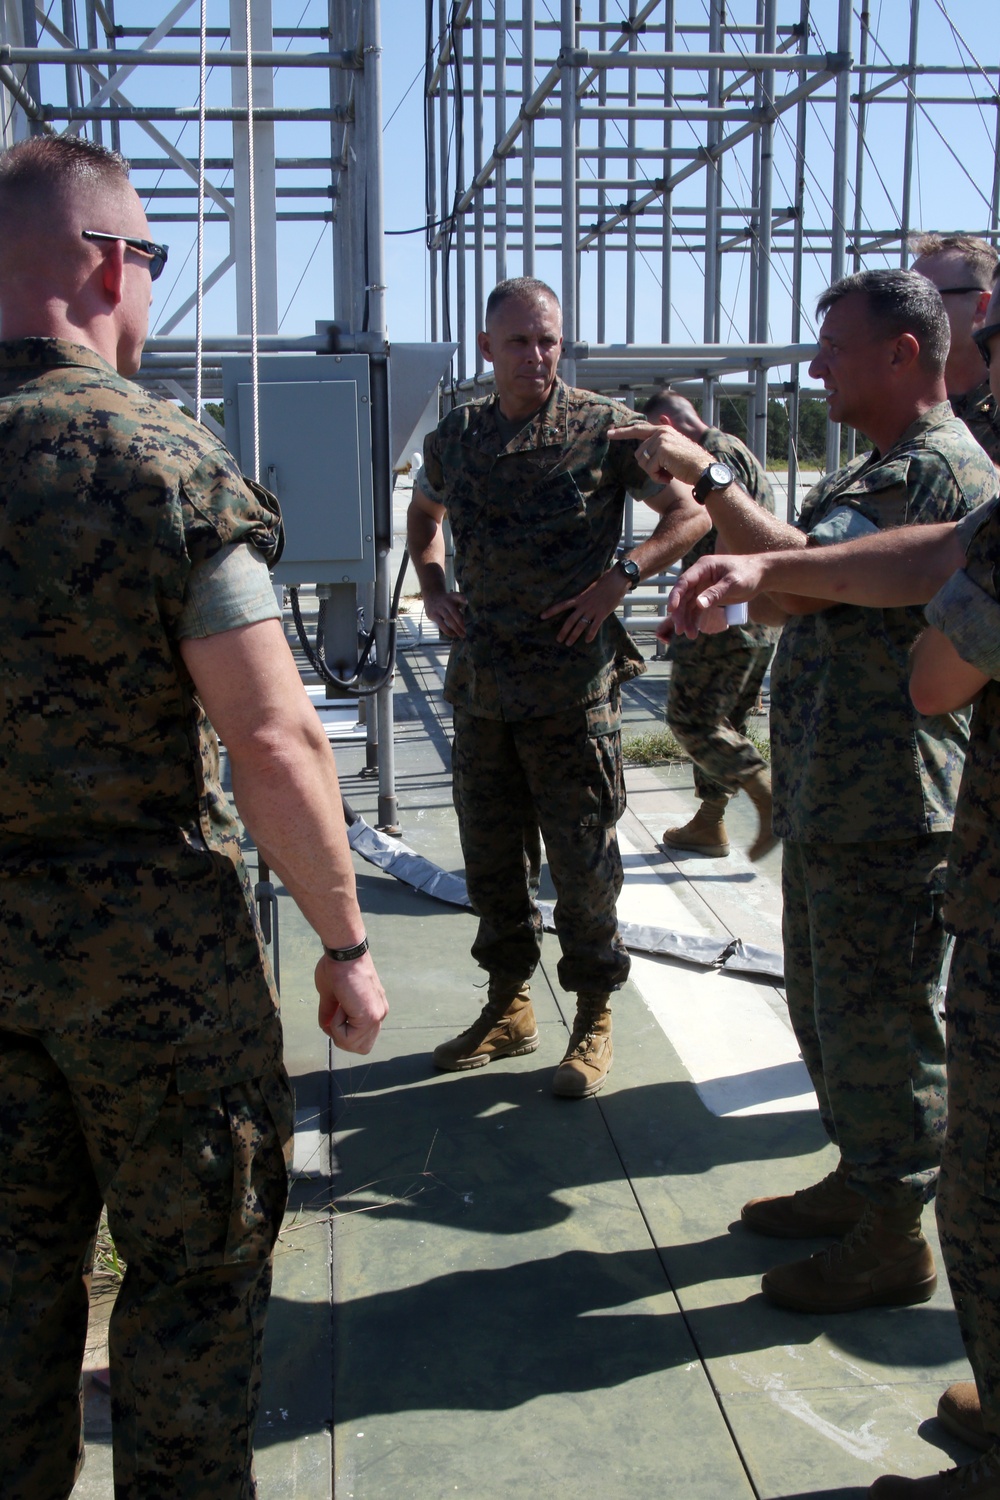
x=970 y=525
x=229 y=589
x=842 y=524
x=970 y=618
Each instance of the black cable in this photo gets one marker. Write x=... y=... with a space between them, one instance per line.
x=316 y=656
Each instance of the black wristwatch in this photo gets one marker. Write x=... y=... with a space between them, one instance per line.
x=631 y=570
x=716 y=477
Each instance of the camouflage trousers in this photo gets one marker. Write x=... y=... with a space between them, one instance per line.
x=714 y=685
x=195 y=1184
x=968 y=1202
x=560 y=775
x=864 y=949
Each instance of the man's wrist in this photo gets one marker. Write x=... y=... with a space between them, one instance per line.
x=348 y=953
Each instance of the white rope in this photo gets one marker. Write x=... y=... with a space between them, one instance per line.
x=252 y=209
x=200 y=274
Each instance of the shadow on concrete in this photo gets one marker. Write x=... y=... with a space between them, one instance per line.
x=493 y=1339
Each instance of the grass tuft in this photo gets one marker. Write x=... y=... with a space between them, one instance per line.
x=660 y=747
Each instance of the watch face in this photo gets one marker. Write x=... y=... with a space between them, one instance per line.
x=717 y=476
x=631 y=570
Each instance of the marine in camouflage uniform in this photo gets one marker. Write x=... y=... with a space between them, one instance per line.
x=537 y=724
x=978 y=410
x=536 y=506
x=865 y=790
x=140 y=1046
x=967 y=611
x=715 y=680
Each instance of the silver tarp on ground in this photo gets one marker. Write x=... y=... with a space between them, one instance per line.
x=402 y=862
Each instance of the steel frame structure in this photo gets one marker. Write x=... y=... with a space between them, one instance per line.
x=651 y=97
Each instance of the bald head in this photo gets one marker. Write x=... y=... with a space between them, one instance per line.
x=53 y=282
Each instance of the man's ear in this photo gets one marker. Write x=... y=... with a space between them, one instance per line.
x=905 y=351
x=483 y=341
x=982 y=303
x=112 y=272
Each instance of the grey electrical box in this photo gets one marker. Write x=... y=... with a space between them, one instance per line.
x=314 y=421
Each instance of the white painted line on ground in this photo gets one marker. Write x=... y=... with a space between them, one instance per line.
x=741 y=1057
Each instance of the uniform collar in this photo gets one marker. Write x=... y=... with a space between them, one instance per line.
x=969 y=400
x=935 y=416
x=548 y=428
x=49 y=354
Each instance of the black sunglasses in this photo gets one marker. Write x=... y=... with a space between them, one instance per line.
x=157 y=253
x=981 y=337
x=956 y=291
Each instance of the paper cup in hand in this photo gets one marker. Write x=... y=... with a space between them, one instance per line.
x=736 y=614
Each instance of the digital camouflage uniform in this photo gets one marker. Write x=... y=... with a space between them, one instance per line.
x=967 y=610
x=865 y=791
x=715 y=680
x=140 y=1048
x=978 y=410
x=537 y=723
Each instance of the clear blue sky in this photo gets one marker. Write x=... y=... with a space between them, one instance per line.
x=951 y=183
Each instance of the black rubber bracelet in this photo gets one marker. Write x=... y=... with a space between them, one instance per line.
x=344 y=955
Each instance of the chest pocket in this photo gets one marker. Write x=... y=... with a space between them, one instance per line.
x=543 y=501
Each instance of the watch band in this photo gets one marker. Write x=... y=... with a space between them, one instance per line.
x=344 y=955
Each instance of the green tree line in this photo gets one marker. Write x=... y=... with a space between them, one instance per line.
x=811 y=443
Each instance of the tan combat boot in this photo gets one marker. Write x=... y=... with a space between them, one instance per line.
x=758 y=789
x=884 y=1262
x=587 y=1063
x=975 y=1481
x=505 y=1028
x=705 y=834
x=828 y=1207
x=959 y=1410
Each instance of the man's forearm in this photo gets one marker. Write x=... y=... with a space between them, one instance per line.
x=675 y=533
x=286 y=788
x=744 y=526
x=903 y=566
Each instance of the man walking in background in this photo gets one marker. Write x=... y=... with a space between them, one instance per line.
x=715 y=681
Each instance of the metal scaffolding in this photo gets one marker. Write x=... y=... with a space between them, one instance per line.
x=100 y=70
x=281 y=126
x=650 y=158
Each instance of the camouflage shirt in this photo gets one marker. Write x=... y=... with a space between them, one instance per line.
x=978 y=410
x=967 y=610
x=751 y=477
x=852 y=759
x=534 y=521
x=117 y=844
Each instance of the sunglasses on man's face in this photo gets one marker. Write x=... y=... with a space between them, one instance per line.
x=982 y=336
x=157 y=253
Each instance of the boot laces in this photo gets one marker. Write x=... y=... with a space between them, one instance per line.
x=818 y=1189
x=855 y=1237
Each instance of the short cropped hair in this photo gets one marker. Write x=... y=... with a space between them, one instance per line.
x=978 y=256
x=899 y=302
x=44 y=166
x=672 y=404
x=521 y=289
